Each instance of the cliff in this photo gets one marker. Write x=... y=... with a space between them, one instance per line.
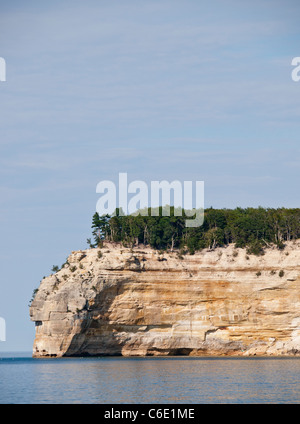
x=119 y=301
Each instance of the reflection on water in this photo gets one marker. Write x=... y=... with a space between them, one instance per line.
x=149 y=380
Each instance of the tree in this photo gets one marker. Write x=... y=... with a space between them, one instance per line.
x=101 y=227
x=89 y=242
x=254 y=228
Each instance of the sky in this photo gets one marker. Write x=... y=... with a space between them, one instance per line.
x=159 y=89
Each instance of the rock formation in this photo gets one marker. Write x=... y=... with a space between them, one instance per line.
x=121 y=301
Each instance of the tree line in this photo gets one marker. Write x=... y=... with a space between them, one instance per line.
x=251 y=228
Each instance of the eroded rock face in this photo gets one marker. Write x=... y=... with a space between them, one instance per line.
x=140 y=302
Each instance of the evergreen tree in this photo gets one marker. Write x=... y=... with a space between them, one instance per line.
x=254 y=228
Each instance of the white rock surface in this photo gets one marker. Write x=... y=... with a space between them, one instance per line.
x=140 y=302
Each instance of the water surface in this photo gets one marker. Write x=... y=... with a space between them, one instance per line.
x=149 y=380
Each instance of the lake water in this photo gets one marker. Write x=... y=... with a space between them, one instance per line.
x=149 y=380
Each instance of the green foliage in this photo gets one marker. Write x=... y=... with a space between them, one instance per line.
x=55 y=268
x=65 y=263
x=90 y=244
x=255 y=248
x=100 y=225
x=280 y=245
x=33 y=296
x=253 y=228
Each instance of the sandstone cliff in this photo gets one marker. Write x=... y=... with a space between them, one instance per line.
x=119 y=301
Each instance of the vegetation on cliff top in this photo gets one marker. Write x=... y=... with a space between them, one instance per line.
x=254 y=228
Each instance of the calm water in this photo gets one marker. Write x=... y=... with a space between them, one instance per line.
x=149 y=380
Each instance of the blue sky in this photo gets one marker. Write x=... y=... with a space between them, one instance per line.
x=191 y=90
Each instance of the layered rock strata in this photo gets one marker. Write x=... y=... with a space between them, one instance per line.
x=120 y=301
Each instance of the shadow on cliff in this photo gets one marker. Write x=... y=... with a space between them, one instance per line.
x=98 y=335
